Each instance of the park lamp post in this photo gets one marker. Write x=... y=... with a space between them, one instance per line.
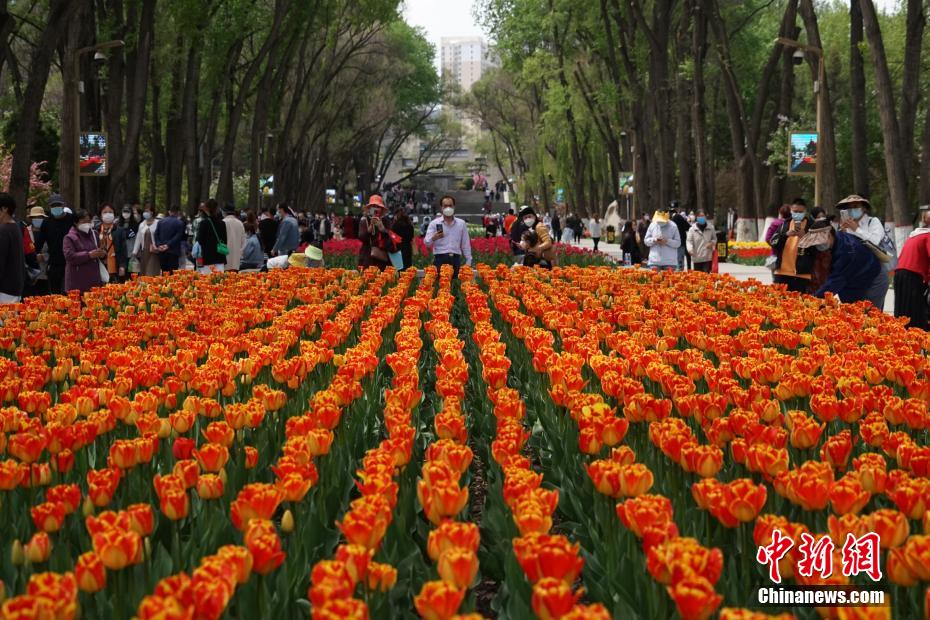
x=78 y=89
x=819 y=92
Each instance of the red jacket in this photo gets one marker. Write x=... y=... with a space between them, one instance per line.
x=915 y=255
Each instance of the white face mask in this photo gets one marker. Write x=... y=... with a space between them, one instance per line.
x=107 y=218
x=147 y=215
x=529 y=221
x=84 y=228
x=448 y=211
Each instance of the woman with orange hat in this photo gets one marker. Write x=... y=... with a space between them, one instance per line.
x=376 y=243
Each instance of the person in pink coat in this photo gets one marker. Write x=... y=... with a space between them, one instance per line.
x=82 y=255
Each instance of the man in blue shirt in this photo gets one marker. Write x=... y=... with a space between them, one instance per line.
x=288 y=232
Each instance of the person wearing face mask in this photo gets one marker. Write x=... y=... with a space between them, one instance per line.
x=288 y=237
x=858 y=221
x=448 y=238
x=701 y=242
x=83 y=254
x=235 y=238
x=52 y=234
x=169 y=235
x=794 y=264
x=663 y=240
x=113 y=242
x=542 y=252
x=210 y=234
x=852 y=267
x=376 y=243
x=12 y=255
x=145 y=249
x=37 y=258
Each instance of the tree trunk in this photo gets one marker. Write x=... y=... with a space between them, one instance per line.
x=910 y=82
x=894 y=150
x=60 y=11
x=698 y=112
x=860 y=157
x=136 y=86
x=684 y=148
x=826 y=149
x=189 y=125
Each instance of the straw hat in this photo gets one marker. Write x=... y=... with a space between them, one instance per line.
x=852 y=199
x=37 y=212
x=313 y=253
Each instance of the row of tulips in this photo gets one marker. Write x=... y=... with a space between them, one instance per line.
x=740 y=500
x=550 y=562
x=255 y=504
x=334 y=582
x=126 y=455
x=451 y=544
x=649 y=516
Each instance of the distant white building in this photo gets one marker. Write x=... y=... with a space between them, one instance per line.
x=464 y=60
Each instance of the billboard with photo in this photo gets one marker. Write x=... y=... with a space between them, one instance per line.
x=93 y=160
x=626 y=183
x=330 y=196
x=802 y=153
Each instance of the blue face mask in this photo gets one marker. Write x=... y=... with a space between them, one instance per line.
x=855 y=213
x=798 y=217
x=37 y=222
x=702 y=220
x=57 y=211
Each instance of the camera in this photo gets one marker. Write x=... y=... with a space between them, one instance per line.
x=798 y=57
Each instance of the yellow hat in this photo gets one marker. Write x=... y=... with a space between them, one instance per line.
x=297 y=260
x=313 y=253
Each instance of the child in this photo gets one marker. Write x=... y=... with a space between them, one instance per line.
x=528 y=240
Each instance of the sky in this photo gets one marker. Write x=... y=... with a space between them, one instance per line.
x=442 y=18
x=454 y=18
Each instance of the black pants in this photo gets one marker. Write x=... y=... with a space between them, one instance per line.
x=169 y=262
x=705 y=267
x=577 y=234
x=910 y=298
x=56 y=279
x=596 y=240
x=796 y=285
x=448 y=259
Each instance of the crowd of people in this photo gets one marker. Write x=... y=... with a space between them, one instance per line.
x=848 y=254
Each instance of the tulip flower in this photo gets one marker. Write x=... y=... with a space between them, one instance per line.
x=553 y=598
x=38 y=548
x=90 y=573
x=438 y=600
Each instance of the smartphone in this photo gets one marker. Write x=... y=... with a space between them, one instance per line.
x=439 y=228
x=844 y=215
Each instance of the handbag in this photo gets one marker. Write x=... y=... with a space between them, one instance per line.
x=771 y=262
x=196 y=252
x=397 y=260
x=221 y=248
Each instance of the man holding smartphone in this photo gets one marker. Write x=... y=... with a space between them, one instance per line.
x=447 y=237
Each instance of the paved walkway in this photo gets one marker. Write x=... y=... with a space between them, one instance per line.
x=740 y=272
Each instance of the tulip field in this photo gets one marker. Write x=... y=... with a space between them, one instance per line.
x=587 y=442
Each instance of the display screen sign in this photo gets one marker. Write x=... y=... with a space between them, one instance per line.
x=93 y=160
x=802 y=153
x=626 y=183
x=330 y=196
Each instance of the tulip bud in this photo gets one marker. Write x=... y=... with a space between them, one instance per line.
x=287 y=522
x=223 y=475
x=88 y=507
x=17 y=555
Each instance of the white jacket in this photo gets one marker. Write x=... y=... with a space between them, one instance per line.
x=594 y=228
x=140 y=235
x=665 y=255
x=235 y=239
x=870 y=229
x=701 y=243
